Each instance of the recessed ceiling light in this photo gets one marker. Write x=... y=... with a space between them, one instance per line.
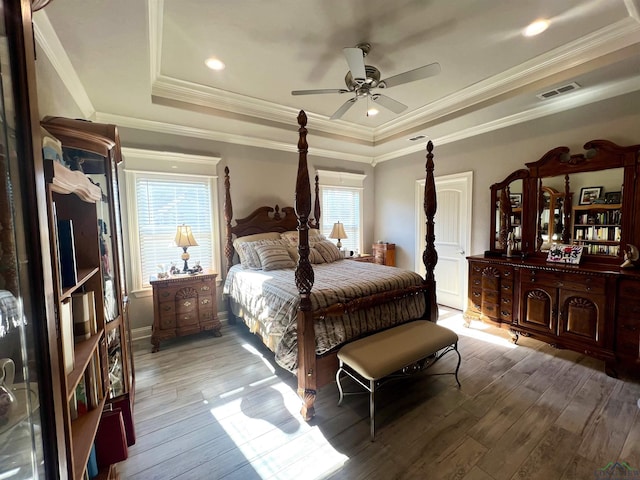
x=536 y=28
x=214 y=64
x=371 y=112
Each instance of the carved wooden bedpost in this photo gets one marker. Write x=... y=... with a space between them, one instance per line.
x=228 y=215
x=316 y=207
x=304 y=280
x=430 y=256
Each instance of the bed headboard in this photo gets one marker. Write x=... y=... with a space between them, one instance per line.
x=262 y=220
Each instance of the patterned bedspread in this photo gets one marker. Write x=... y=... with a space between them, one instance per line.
x=268 y=303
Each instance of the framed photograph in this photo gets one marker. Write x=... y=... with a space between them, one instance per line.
x=516 y=200
x=589 y=194
x=612 y=197
x=560 y=253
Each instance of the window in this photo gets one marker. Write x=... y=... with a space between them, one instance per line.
x=341 y=201
x=162 y=201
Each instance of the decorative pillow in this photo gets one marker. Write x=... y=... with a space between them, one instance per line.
x=328 y=250
x=249 y=257
x=315 y=256
x=293 y=253
x=252 y=238
x=274 y=257
x=292 y=236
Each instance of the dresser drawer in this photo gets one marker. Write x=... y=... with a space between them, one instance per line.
x=630 y=290
x=568 y=281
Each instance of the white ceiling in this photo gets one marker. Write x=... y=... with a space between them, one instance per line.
x=140 y=64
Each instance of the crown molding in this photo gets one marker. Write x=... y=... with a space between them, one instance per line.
x=48 y=40
x=601 y=42
x=154 y=11
x=558 y=105
x=182 y=130
x=633 y=7
x=204 y=96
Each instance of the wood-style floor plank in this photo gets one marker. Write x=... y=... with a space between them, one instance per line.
x=220 y=408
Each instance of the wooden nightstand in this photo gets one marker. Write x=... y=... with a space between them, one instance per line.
x=184 y=305
x=385 y=253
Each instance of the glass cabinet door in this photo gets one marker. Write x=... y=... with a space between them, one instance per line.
x=22 y=308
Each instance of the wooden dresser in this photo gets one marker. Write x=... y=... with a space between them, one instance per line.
x=591 y=306
x=385 y=253
x=184 y=305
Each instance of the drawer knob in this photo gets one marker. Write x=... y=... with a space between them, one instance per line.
x=504 y=314
x=187 y=303
x=476 y=294
x=205 y=301
x=631 y=328
x=205 y=288
x=165 y=294
x=166 y=308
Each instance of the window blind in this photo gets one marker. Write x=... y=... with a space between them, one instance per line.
x=342 y=204
x=163 y=203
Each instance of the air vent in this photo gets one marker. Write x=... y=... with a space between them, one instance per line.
x=558 y=91
x=417 y=137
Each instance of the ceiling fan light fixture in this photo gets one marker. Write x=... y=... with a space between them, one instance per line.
x=372 y=111
x=536 y=28
x=214 y=64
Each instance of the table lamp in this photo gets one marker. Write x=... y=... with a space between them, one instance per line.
x=338 y=232
x=184 y=239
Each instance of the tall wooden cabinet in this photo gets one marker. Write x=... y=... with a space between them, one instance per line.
x=83 y=189
x=591 y=307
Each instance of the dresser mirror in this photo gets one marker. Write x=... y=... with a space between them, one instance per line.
x=507 y=198
x=567 y=198
x=591 y=217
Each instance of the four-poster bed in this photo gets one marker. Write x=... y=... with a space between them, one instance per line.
x=304 y=314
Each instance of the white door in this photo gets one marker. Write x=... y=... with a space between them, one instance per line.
x=453 y=236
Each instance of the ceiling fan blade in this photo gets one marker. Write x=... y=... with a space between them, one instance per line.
x=389 y=103
x=355 y=60
x=412 y=75
x=314 y=92
x=343 y=109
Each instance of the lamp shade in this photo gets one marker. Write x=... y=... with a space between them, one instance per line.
x=184 y=237
x=338 y=231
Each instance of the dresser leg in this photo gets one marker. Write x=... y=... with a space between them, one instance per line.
x=155 y=345
x=216 y=332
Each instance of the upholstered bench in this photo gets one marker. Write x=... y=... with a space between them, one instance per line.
x=399 y=350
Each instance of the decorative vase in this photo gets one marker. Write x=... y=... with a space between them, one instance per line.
x=7 y=398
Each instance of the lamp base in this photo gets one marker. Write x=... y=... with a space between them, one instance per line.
x=339 y=245
x=185 y=256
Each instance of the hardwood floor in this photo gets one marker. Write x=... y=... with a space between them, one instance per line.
x=211 y=408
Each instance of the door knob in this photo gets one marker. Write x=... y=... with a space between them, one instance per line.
x=461 y=252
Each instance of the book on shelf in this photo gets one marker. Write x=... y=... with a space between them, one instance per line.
x=92 y=384
x=111 y=442
x=67 y=253
x=66 y=331
x=84 y=315
x=82 y=404
x=92 y=464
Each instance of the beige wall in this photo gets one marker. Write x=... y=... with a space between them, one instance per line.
x=262 y=176
x=492 y=157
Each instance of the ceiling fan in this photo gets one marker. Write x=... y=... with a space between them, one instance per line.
x=362 y=79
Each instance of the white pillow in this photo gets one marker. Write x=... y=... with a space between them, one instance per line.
x=315 y=256
x=328 y=250
x=274 y=257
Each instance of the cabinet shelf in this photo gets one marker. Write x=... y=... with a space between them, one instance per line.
x=84 y=275
x=82 y=354
x=83 y=432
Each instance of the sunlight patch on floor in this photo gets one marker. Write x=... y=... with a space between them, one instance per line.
x=478 y=330
x=278 y=443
